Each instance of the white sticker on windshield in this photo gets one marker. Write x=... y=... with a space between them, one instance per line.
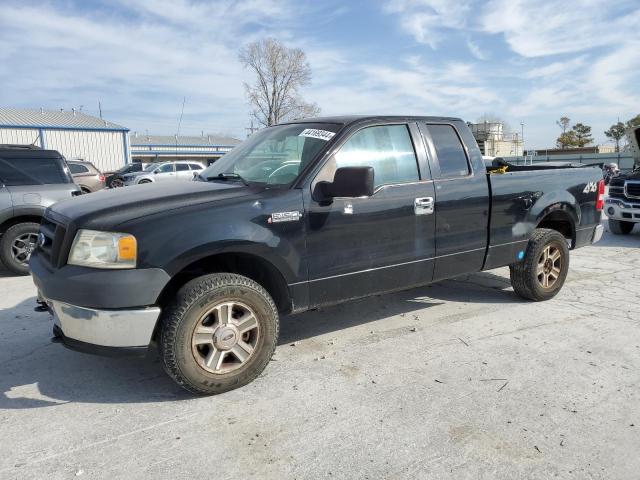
x=314 y=133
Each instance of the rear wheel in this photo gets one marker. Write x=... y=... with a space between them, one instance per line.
x=218 y=334
x=116 y=183
x=618 y=227
x=542 y=272
x=16 y=245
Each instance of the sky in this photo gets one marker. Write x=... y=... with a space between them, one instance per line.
x=526 y=62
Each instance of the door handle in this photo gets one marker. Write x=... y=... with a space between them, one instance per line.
x=423 y=206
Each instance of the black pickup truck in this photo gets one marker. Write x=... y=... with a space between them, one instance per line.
x=299 y=216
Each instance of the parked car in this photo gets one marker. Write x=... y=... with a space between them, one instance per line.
x=86 y=176
x=299 y=216
x=162 y=172
x=31 y=179
x=116 y=179
x=623 y=200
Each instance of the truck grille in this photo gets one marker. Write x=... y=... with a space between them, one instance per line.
x=632 y=189
x=51 y=241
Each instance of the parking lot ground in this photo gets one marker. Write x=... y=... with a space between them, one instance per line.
x=461 y=379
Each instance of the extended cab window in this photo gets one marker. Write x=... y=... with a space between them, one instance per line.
x=452 y=158
x=386 y=148
x=31 y=171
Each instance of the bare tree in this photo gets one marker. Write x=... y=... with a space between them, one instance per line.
x=280 y=73
x=563 y=123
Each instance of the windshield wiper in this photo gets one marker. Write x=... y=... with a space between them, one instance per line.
x=228 y=176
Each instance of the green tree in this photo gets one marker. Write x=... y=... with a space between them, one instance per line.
x=567 y=139
x=583 y=134
x=616 y=133
x=634 y=122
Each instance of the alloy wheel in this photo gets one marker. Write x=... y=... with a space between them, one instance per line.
x=225 y=337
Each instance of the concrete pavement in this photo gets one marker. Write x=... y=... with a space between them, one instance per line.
x=461 y=379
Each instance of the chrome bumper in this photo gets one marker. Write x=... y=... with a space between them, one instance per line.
x=107 y=328
x=597 y=233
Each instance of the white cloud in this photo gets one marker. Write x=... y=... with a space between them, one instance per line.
x=476 y=51
x=551 y=27
x=140 y=64
x=425 y=19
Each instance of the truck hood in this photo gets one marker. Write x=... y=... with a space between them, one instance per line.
x=114 y=206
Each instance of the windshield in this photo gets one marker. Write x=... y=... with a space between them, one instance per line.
x=151 y=166
x=274 y=155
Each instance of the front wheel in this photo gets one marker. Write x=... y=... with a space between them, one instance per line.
x=16 y=245
x=144 y=181
x=218 y=334
x=618 y=227
x=542 y=272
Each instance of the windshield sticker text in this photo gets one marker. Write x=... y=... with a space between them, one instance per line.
x=315 y=133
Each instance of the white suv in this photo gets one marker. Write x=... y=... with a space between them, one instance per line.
x=165 y=171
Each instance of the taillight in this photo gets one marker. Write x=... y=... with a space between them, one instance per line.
x=600 y=199
x=101 y=177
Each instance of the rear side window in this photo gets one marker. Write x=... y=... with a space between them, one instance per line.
x=386 y=148
x=451 y=155
x=75 y=168
x=182 y=167
x=31 y=171
x=196 y=166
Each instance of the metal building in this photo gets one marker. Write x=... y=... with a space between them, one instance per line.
x=72 y=133
x=156 y=148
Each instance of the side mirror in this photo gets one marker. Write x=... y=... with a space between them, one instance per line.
x=349 y=182
x=155 y=172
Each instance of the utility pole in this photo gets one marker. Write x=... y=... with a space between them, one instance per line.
x=250 y=130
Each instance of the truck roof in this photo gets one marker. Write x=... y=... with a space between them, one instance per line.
x=347 y=119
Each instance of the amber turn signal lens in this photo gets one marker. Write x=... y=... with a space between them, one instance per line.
x=127 y=248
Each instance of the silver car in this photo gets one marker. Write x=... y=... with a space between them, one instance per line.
x=163 y=172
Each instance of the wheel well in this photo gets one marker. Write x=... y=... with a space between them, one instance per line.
x=251 y=266
x=20 y=219
x=561 y=222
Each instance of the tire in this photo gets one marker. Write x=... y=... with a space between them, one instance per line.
x=619 y=227
x=144 y=181
x=16 y=245
x=528 y=277
x=116 y=183
x=192 y=335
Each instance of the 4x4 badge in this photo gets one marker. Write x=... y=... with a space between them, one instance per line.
x=279 y=217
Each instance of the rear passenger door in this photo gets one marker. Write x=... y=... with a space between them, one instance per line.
x=183 y=172
x=461 y=204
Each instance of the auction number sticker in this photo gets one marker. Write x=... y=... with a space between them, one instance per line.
x=315 y=133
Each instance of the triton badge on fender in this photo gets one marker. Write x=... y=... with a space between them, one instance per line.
x=280 y=217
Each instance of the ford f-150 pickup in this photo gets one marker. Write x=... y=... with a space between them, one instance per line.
x=300 y=215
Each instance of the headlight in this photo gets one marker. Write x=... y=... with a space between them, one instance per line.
x=103 y=250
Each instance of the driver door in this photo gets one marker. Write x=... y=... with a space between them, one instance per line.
x=360 y=246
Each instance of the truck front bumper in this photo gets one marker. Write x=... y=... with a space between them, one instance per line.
x=622 y=210
x=105 y=332
x=108 y=312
